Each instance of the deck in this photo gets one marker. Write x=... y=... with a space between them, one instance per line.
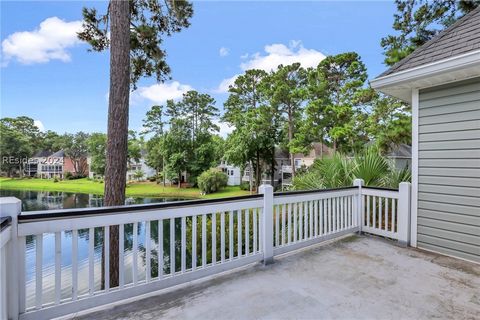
x=355 y=277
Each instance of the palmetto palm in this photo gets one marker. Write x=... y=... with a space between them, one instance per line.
x=340 y=171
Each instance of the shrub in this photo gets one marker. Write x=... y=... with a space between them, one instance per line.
x=340 y=171
x=68 y=175
x=244 y=186
x=152 y=179
x=212 y=180
x=55 y=179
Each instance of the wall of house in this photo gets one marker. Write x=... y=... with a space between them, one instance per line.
x=449 y=169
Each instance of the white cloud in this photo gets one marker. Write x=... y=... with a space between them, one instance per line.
x=274 y=55
x=48 y=42
x=39 y=125
x=224 y=52
x=161 y=92
x=225 y=84
x=277 y=53
x=225 y=129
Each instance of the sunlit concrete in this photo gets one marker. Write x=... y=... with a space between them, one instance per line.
x=357 y=277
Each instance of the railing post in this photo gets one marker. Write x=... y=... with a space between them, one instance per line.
x=10 y=206
x=267 y=191
x=404 y=213
x=359 y=207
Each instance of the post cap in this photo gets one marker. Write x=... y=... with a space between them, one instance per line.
x=10 y=207
x=358 y=182
x=264 y=188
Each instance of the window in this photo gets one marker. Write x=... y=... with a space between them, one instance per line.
x=298 y=163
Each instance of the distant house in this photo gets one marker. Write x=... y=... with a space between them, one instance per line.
x=140 y=165
x=47 y=165
x=283 y=169
x=318 y=150
x=233 y=173
x=441 y=80
x=133 y=167
x=401 y=155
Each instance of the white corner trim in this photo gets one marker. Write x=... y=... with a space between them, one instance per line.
x=450 y=64
x=414 y=197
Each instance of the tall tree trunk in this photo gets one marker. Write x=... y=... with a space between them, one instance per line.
x=258 y=174
x=290 y=138
x=250 y=176
x=272 y=178
x=117 y=140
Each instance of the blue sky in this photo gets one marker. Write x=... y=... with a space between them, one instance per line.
x=49 y=76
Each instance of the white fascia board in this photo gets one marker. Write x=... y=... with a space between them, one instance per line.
x=450 y=64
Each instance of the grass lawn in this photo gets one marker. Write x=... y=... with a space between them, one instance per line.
x=136 y=189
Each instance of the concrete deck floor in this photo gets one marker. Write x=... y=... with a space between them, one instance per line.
x=357 y=277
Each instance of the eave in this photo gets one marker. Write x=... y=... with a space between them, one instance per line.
x=452 y=69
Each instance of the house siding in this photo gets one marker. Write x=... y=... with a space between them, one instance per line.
x=449 y=169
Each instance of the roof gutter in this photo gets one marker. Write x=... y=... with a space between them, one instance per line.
x=428 y=70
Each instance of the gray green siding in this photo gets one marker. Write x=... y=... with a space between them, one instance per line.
x=449 y=169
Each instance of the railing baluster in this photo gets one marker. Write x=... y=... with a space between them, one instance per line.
x=380 y=207
x=387 y=200
x=329 y=216
x=106 y=242
x=121 y=255
x=283 y=223
x=394 y=214
x=310 y=219
x=337 y=213
x=350 y=212
x=305 y=220
x=74 y=264
x=255 y=231
x=194 y=242
x=289 y=216
x=367 y=223
x=295 y=205
x=222 y=236
x=160 y=257
x=204 y=240
x=300 y=221
x=214 y=238
x=172 y=246
x=315 y=219
x=135 y=253
x=58 y=267
x=38 y=270
x=183 y=263
x=260 y=229
x=148 y=251
x=342 y=213
x=321 y=212
x=230 y=235
x=247 y=232
x=374 y=211
x=239 y=233
x=91 y=252
x=276 y=212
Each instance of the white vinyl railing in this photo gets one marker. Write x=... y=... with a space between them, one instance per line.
x=58 y=262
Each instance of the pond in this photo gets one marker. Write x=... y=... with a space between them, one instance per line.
x=45 y=200
x=51 y=200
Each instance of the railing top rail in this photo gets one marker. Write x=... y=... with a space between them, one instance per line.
x=83 y=212
x=5 y=222
x=301 y=192
x=379 y=188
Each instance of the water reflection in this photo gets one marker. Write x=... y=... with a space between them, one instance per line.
x=51 y=200
x=43 y=200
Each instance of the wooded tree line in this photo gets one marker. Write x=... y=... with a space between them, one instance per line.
x=293 y=107
x=21 y=139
